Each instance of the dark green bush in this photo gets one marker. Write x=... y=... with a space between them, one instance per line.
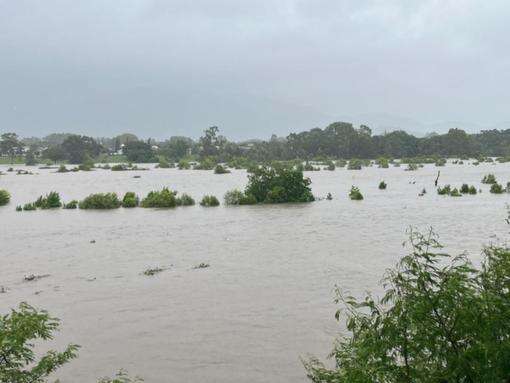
x=49 y=201
x=455 y=193
x=71 y=204
x=464 y=189
x=130 y=199
x=160 y=199
x=496 y=188
x=62 y=169
x=5 y=197
x=445 y=190
x=209 y=200
x=382 y=185
x=185 y=200
x=237 y=197
x=355 y=194
x=489 y=179
x=100 y=201
x=29 y=206
x=280 y=184
x=220 y=169
x=355 y=164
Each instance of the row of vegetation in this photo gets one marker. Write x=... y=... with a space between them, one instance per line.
x=339 y=140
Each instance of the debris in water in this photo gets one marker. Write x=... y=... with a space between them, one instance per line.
x=153 y=271
x=201 y=266
x=93 y=241
x=33 y=277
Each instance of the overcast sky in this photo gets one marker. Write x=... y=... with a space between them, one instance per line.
x=162 y=67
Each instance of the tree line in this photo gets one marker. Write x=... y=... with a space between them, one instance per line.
x=340 y=140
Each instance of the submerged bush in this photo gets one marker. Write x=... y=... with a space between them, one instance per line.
x=237 y=197
x=71 y=204
x=101 y=201
x=29 y=206
x=411 y=167
x=445 y=190
x=209 y=200
x=183 y=164
x=383 y=163
x=464 y=189
x=355 y=194
x=496 y=188
x=354 y=164
x=489 y=179
x=220 y=169
x=5 y=197
x=440 y=319
x=129 y=200
x=163 y=164
x=62 y=169
x=268 y=185
x=382 y=185
x=330 y=165
x=455 y=193
x=185 y=200
x=160 y=199
x=49 y=201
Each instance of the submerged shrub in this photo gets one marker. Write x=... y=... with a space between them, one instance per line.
x=464 y=189
x=101 y=201
x=71 y=204
x=455 y=193
x=49 y=201
x=237 y=197
x=185 y=200
x=441 y=162
x=220 y=169
x=267 y=185
x=29 y=206
x=383 y=163
x=411 y=167
x=62 y=169
x=382 y=185
x=130 y=199
x=354 y=164
x=209 y=200
x=489 y=179
x=162 y=199
x=5 y=197
x=496 y=188
x=163 y=163
x=19 y=208
x=341 y=163
x=355 y=194
x=445 y=190
x=183 y=164
x=330 y=165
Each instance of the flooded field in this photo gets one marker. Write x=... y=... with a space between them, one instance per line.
x=267 y=298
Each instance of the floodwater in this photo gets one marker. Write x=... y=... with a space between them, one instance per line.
x=267 y=298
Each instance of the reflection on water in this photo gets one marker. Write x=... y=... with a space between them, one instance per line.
x=265 y=301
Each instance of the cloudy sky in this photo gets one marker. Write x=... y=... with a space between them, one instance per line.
x=174 y=67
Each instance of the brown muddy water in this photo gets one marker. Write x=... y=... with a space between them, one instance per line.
x=267 y=298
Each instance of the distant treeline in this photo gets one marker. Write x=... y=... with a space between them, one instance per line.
x=338 y=140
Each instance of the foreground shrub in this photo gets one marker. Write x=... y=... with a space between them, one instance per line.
x=489 y=179
x=49 y=201
x=130 y=199
x=209 y=200
x=496 y=188
x=185 y=200
x=29 y=206
x=20 y=330
x=439 y=320
x=382 y=185
x=278 y=185
x=237 y=197
x=162 y=199
x=355 y=194
x=445 y=190
x=101 y=201
x=5 y=197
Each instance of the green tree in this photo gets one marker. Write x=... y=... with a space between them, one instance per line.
x=10 y=145
x=77 y=148
x=18 y=331
x=440 y=320
x=139 y=151
x=54 y=153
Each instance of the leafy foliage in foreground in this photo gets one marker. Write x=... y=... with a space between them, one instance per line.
x=355 y=194
x=440 y=320
x=49 y=201
x=164 y=198
x=18 y=331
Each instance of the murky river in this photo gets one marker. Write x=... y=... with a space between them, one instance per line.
x=267 y=298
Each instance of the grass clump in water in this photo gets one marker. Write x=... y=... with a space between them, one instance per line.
x=209 y=201
x=355 y=194
x=445 y=190
x=29 y=206
x=153 y=271
x=383 y=185
x=100 y=201
x=496 y=188
x=354 y=164
x=489 y=179
x=5 y=197
x=160 y=199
